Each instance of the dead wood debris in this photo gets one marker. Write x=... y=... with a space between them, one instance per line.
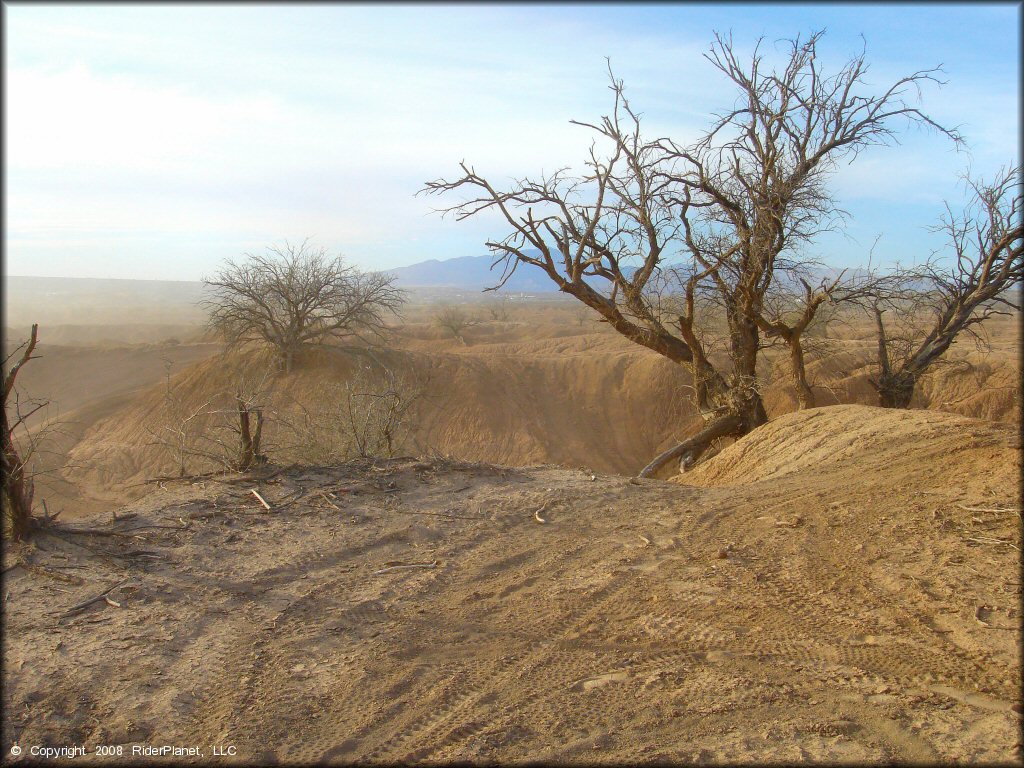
x=101 y=597
x=263 y=501
x=397 y=566
x=1014 y=510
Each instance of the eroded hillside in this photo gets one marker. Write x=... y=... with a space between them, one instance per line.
x=545 y=390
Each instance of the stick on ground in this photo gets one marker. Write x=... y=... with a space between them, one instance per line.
x=102 y=597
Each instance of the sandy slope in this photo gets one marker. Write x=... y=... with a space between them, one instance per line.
x=514 y=393
x=85 y=386
x=838 y=589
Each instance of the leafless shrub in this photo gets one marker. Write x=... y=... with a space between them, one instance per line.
x=454 y=321
x=23 y=443
x=225 y=430
x=373 y=413
x=18 y=487
x=296 y=296
x=498 y=309
x=919 y=311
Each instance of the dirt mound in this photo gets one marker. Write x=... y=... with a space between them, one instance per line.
x=430 y=610
x=898 y=445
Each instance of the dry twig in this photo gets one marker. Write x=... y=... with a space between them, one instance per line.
x=431 y=564
x=102 y=597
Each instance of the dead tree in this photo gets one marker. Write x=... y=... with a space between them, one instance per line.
x=18 y=487
x=250 y=434
x=719 y=213
x=791 y=331
x=454 y=321
x=498 y=310
x=945 y=297
x=296 y=296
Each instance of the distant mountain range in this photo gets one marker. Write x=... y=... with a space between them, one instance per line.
x=80 y=297
x=471 y=273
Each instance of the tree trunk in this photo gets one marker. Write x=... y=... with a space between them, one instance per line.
x=740 y=408
x=18 y=490
x=743 y=398
x=895 y=390
x=17 y=495
x=245 y=443
x=804 y=393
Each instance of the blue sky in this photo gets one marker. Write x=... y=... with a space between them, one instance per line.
x=153 y=141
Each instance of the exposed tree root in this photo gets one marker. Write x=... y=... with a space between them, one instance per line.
x=696 y=445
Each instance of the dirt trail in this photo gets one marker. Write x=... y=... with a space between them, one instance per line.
x=790 y=608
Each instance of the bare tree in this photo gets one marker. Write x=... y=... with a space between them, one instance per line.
x=498 y=309
x=937 y=301
x=454 y=321
x=294 y=296
x=581 y=314
x=178 y=424
x=18 y=488
x=727 y=207
x=791 y=315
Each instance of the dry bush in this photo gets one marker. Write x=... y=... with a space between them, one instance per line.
x=454 y=321
x=222 y=431
x=23 y=445
x=498 y=310
x=370 y=414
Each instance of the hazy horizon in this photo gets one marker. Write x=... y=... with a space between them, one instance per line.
x=151 y=142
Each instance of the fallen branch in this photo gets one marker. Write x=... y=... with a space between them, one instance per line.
x=432 y=564
x=101 y=597
x=103 y=554
x=695 y=445
x=1015 y=510
x=38 y=569
x=95 y=531
x=439 y=514
x=263 y=501
x=324 y=497
x=986 y=540
x=191 y=478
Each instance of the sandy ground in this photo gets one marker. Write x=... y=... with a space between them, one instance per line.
x=841 y=585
